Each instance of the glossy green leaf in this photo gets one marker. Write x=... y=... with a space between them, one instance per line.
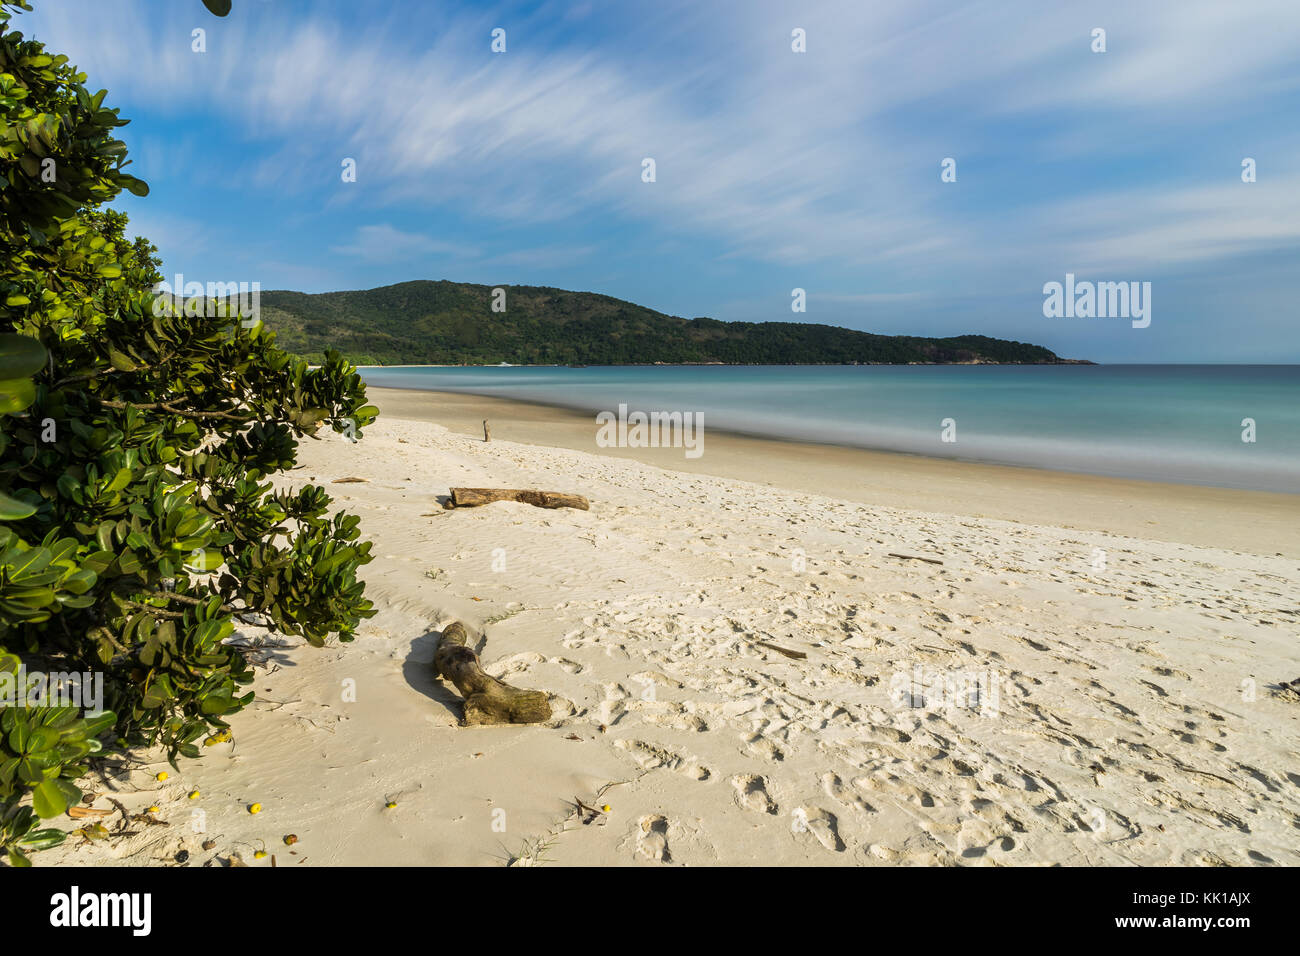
x=11 y=509
x=43 y=839
x=20 y=355
x=48 y=799
x=16 y=394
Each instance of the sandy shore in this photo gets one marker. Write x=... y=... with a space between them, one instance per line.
x=1255 y=521
x=1089 y=676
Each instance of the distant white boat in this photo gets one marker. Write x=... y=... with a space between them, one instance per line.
x=504 y=365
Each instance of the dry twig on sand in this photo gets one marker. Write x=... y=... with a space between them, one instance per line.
x=915 y=557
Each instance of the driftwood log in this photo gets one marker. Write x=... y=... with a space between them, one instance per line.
x=473 y=497
x=487 y=700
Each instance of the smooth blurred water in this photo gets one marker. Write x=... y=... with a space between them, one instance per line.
x=1166 y=422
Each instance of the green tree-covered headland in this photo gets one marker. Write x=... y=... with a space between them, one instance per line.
x=453 y=323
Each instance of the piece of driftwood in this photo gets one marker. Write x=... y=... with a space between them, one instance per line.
x=487 y=430
x=915 y=557
x=79 y=813
x=487 y=700
x=473 y=497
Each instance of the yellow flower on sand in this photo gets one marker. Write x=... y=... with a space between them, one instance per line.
x=162 y=775
x=194 y=794
x=255 y=808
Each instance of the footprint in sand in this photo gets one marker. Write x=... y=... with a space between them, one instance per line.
x=672 y=716
x=751 y=793
x=760 y=746
x=822 y=824
x=610 y=712
x=651 y=757
x=514 y=665
x=977 y=839
x=887 y=854
x=612 y=708
x=894 y=786
x=653 y=840
x=836 y=790
x=1202 y=742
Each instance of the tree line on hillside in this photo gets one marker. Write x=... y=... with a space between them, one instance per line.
x=425 y=322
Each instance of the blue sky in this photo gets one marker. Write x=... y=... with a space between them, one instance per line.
x=775 y=169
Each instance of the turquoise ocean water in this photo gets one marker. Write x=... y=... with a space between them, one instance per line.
x=1165 y=422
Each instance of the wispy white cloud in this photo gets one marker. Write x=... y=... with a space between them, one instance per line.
x=1174 y=227
x=827 y=157
x=383 y=243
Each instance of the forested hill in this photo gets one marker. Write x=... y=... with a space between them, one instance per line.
x=437 y=323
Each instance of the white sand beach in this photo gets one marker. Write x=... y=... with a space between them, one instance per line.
x=1126 y=638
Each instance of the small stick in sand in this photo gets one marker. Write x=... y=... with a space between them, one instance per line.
x=793 y=655
x=487 y=431
x=487 y=700
x=583 y=808
x=914 y=557
x=473 y=497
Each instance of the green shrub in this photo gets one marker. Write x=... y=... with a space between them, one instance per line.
x=137 y=525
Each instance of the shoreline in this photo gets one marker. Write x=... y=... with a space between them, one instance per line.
x=1258 y=522
x=736 y=364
